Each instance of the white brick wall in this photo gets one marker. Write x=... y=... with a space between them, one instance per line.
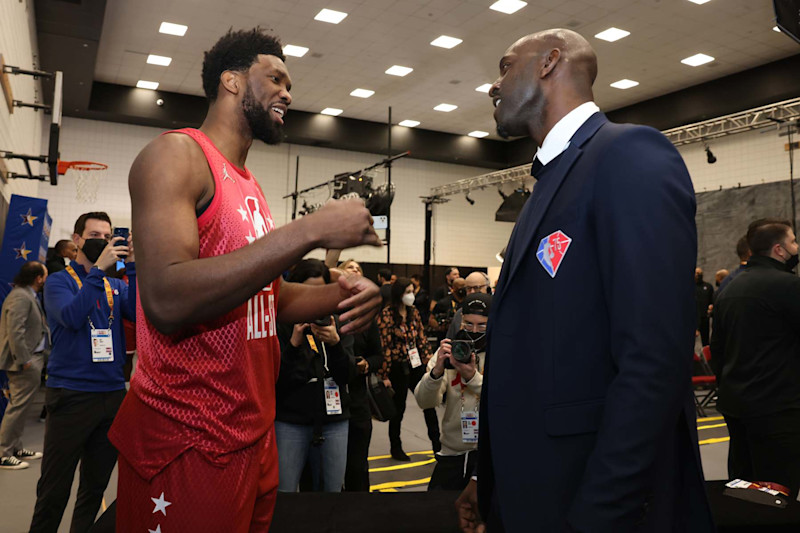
x=20 y=132
x=744 y=158
x=464 y=234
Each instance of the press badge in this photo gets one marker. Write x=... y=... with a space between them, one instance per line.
x=102 y=346
x=333 y=400
x=469 y=426
x=413 y=356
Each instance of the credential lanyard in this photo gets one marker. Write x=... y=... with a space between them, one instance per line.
x=109 y=293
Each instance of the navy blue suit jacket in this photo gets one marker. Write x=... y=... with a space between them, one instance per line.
x=587 y=419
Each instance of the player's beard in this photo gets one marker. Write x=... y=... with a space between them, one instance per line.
x=259 y=120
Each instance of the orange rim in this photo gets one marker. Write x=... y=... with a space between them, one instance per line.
x=64 y=166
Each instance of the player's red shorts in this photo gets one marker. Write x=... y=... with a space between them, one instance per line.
x=194 y=495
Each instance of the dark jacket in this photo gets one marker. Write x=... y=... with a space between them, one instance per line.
x=366 y=344
x=300 y=390
x=588 y=368
x=755 y=346
x=730 y=277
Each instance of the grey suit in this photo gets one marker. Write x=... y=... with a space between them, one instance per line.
x=22 y=328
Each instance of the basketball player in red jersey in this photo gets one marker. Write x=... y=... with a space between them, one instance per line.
x=195 y=434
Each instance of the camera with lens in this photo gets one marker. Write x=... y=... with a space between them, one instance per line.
x=461 y=349
x=324 y=321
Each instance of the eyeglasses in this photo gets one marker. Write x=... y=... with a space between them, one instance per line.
x=477 y=288
x=469 y=326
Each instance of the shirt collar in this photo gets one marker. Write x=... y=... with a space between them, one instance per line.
x=557 y=139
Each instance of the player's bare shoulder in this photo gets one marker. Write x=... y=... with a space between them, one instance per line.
x=168 y=162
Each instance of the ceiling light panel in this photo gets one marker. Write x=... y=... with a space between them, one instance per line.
x=624 y=84
x=173 y=29
x=445 y=41
x=478 y=134
x=484 y=88
x=508 y=6
x=329 y=15
x=397 y=70
x=143 y=84
x=699 y=2
x=332 y=111
x=697 y=60
x=445 y=107
x=409 y=123
x=294 y=51
x=362 y=93
x=612 y=34
x=161 y=61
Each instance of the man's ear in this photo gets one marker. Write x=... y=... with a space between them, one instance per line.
x=550 y=60
x=231 y=81
x=75 y=239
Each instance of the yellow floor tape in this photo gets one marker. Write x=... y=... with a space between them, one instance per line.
x=711 y=419
x=712 y=426
x=378 y=457
x=402 y=466
x=399 y=484
x=714 y=441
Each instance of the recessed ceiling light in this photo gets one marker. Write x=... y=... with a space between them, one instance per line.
x=484 y=88
x=445 y=107
x=152 y=85
x=697 y=60
x=624 y=84
x=332 y=111
x=409 y=123
x=173 y=29
x=478 y=134
x=362 y=93
x=159 y=60
x=699 y=2
x=329 y=15
x=612 y=34
x=397 y=70
x=444 y=41
x=295 y=51
x=508 y=6
x=777 y=29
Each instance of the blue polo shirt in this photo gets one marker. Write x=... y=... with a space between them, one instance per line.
x=69 y=310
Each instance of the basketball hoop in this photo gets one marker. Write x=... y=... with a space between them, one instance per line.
x=87 y=178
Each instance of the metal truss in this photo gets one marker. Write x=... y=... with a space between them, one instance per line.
x=752 y=119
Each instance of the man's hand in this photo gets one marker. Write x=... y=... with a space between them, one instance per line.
x=445 y=351
x=344 y=224
x=469 y=519
x=27 y=365
x=326 y=334
x=363 y=299
x=362 y=366
x=467 y=370
x=130 y=257
x=113 y=252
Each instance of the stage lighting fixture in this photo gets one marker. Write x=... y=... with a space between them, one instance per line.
x=470 y=200
x=510 y=208
x=710 y=157
x=502 y=194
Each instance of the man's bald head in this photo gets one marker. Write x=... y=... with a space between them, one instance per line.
x=477 y=282
x=543 y=76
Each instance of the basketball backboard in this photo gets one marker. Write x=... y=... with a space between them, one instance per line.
x=55 y=128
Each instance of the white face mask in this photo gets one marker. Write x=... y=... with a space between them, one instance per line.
x=408 y=299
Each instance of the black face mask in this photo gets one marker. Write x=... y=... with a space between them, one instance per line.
x=792 y=262
x=92 y=248
x=461 y=293
x=698 y=280
x=477 y=337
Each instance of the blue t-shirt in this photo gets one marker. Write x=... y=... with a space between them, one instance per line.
x=69 y=311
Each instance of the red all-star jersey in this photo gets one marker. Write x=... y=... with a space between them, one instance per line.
x=210 y=386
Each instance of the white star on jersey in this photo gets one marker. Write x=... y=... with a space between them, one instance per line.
x=156 y=530
x=242 y=211
x=161 y=504
x=250 y=238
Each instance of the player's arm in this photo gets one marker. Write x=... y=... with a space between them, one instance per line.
x=167 y=180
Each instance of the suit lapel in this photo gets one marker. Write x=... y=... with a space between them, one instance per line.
x=532 y=215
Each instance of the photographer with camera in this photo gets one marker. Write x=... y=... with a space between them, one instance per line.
x=445 y=309
x=456 y=371
x=312 y=404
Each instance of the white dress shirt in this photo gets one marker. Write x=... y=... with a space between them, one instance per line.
x=557 y=139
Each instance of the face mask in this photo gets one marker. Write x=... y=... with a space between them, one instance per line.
x=92 y=248
x=479 y=338
x=461 y=293
x=408 y=299
x=792 y=262
x=698 y=280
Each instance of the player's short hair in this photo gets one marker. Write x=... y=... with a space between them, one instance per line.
x=764 y=233
x=28 y=273
x=80 y=224
x=61 y=246
x=309 y=268
x=743 y=249
x=237 y=51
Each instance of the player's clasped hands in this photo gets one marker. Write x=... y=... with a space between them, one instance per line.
x=345 y=224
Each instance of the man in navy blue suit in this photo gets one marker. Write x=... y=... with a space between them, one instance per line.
x=587 y=421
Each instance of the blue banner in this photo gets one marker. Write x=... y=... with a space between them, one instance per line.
x=25 y=239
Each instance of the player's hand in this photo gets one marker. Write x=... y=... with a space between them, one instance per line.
x=326 y=334
x=344 y=224
x=130 y=258
x=469 y=519
x=113 y=252
x=362 y=298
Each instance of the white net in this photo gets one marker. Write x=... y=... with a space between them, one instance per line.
x=87 y=181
